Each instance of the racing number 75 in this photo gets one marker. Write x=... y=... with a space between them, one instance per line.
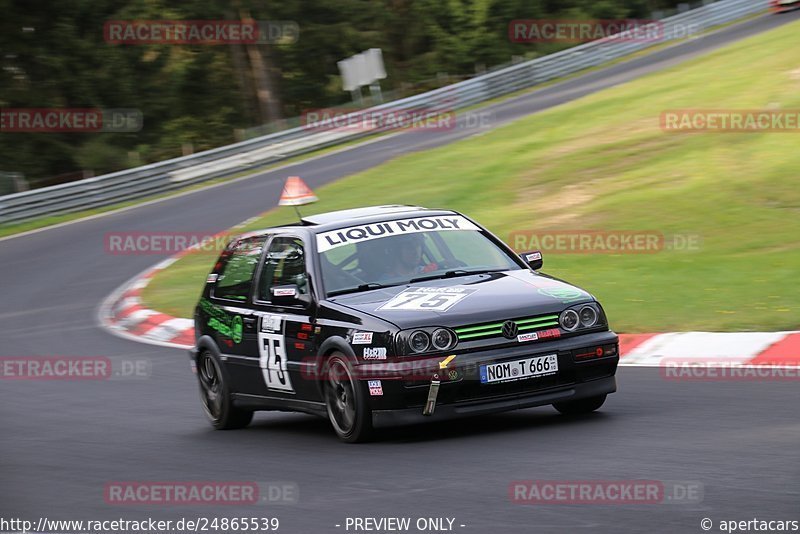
x=272 y=360
x=422 y=300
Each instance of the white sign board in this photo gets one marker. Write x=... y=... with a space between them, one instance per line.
x=362 y=69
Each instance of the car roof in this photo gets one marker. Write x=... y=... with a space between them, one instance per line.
x=339 y=219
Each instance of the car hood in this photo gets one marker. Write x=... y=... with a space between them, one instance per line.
x=483 y=298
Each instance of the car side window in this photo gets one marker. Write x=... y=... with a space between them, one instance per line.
x=236 y=279
x=284 y=264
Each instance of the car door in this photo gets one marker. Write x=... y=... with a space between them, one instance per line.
x=230 y=317
x=285 y=332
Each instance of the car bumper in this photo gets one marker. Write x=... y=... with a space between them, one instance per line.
x=583 y=372
x=410 y=416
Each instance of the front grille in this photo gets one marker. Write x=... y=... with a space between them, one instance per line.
x=487 y=330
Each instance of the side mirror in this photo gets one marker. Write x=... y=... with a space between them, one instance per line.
x=533 y=259
x=287 y=295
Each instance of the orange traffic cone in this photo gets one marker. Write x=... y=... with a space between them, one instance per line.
x=296 y=193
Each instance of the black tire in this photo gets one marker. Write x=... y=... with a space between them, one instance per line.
x=216 y=396
x=345 y=399
x=581 y=406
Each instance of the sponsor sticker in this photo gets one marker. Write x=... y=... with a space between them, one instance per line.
x=271 y=323
x=531 y=336
x=427 y=298
x=366 y=232
x=375 y=388
x=376 y=353
x=223 y=322
x=284 y=292
x=211 y=278
x=362 y=338
x=550 y=332
x=534 y=256
x=237 y=330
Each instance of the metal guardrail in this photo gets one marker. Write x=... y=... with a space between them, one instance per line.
x=175 y=173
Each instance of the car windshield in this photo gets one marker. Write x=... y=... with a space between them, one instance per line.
x=398 y=252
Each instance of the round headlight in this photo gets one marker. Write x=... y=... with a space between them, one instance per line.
x=419 y=341
x=588 y=316
x=442 y=338
x=569 y=320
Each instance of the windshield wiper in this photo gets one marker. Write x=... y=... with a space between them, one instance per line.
x=374 y=285
x=453 y=274
x=363 y=287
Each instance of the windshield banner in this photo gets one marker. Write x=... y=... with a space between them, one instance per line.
x=365 y=232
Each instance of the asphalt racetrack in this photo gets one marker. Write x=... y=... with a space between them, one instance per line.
x=62 y=442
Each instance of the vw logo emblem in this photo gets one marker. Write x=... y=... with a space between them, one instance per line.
x=510 y=329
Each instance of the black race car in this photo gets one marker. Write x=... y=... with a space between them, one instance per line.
x=393 y=315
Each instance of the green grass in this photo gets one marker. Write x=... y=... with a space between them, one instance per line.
x=603 y=163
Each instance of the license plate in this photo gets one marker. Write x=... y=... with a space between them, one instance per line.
x=519 y=369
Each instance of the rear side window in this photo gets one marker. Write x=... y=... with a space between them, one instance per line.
x=236 y=278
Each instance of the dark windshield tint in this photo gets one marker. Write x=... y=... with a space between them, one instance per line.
x=398 y=259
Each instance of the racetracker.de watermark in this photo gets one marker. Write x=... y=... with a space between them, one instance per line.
x=200 y=32
x=603 y=241
x=711 y=370
x=70 y=368
x=163 y=243
x=585 y=30
x=381 y=365
x=368 y=120
x=731 y=120
x=74 y=120
x=605 y=492
x=182 y=493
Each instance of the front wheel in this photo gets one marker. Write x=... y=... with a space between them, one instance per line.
x=216 y=397
x=345 y=401
x=581 y=406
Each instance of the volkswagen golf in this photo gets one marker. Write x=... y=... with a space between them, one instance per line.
x=393 y=315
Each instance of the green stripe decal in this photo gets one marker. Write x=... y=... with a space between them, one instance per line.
x=496 y=329
x=543 y=318
x=483 y=327
x=537 y=326
x=481 y=334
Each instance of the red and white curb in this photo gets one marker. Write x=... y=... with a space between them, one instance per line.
x=123 y=314
x=711 y=348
